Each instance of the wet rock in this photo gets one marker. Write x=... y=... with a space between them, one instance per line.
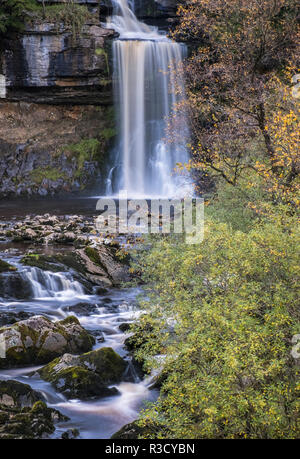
x=98 y=334
x=38 y=340
x=133 y=431
x=16 y=394
x=104 y=257
x=70 y=434
x=42 y=261
x=125 y=327
x=66 y=238
x=85 y=376
x=14 y=286
x=97 y=265
x=23 y=414
x=28 y=422
x=82 y=309
x=9 y=317
x=5 y=267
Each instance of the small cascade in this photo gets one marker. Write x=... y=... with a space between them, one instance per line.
x=46 y=284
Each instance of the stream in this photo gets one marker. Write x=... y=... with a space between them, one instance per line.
x=52 y=295
x=142 y=163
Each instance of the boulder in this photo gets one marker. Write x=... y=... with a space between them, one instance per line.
x=16 y=394
x=133 y=431
x=125 y=327
x=14 y=286
x=85 y=376
x=23 y=414
x=70 y=434
x=4 y=266
x=81 y=309
x=28 y=422
x=37 y=340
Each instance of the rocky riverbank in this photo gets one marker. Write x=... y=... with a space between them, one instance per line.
x=55 y=341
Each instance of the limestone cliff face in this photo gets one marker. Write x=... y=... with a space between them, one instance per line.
x=47 y=64
x=56 y=121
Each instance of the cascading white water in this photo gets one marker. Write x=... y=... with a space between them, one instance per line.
x=145 y=63
x=45 y=284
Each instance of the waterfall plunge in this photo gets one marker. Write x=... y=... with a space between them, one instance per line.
x=145 y=63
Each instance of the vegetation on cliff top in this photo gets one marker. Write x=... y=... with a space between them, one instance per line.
x=13 y=14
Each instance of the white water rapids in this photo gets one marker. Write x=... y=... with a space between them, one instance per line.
x=145 y=79
x=54 y=295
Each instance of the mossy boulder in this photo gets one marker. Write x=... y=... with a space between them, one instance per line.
x=4 y=267
x=134 y=431
x=87 y=375
x=23 y=414
x=16 y=394
x=37 y=340
x=45 y=262
x=28 y=423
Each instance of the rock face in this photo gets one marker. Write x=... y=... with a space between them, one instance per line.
x=23 y=414
x=37 y=340
x=85 y=376
x=46 y=149
x=48 y=64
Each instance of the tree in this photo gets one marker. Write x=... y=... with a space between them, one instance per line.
x=243 y=44
x=12 y=13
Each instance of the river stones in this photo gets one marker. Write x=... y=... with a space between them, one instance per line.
x=134 y=431
x=10 y=317
x=16 y=394
x=87 y=375
x=23 y=414
x=29 y=422
x=5 y=267
x=37 y=340
x=14 y=286
x=99 y=266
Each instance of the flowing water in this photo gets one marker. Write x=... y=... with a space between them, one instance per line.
x=145 y=64
x=53 y=294
x=146 y=92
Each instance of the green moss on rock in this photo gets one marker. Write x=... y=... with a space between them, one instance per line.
x=4 y=266
x=87 y=375
x=47 y=263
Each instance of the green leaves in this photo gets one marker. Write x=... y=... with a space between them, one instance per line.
x=12 y=13
x=223 y=314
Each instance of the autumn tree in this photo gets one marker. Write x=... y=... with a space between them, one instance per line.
x=241 y=46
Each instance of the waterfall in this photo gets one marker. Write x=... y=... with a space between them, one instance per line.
x=45 y=284
x=145 y=63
